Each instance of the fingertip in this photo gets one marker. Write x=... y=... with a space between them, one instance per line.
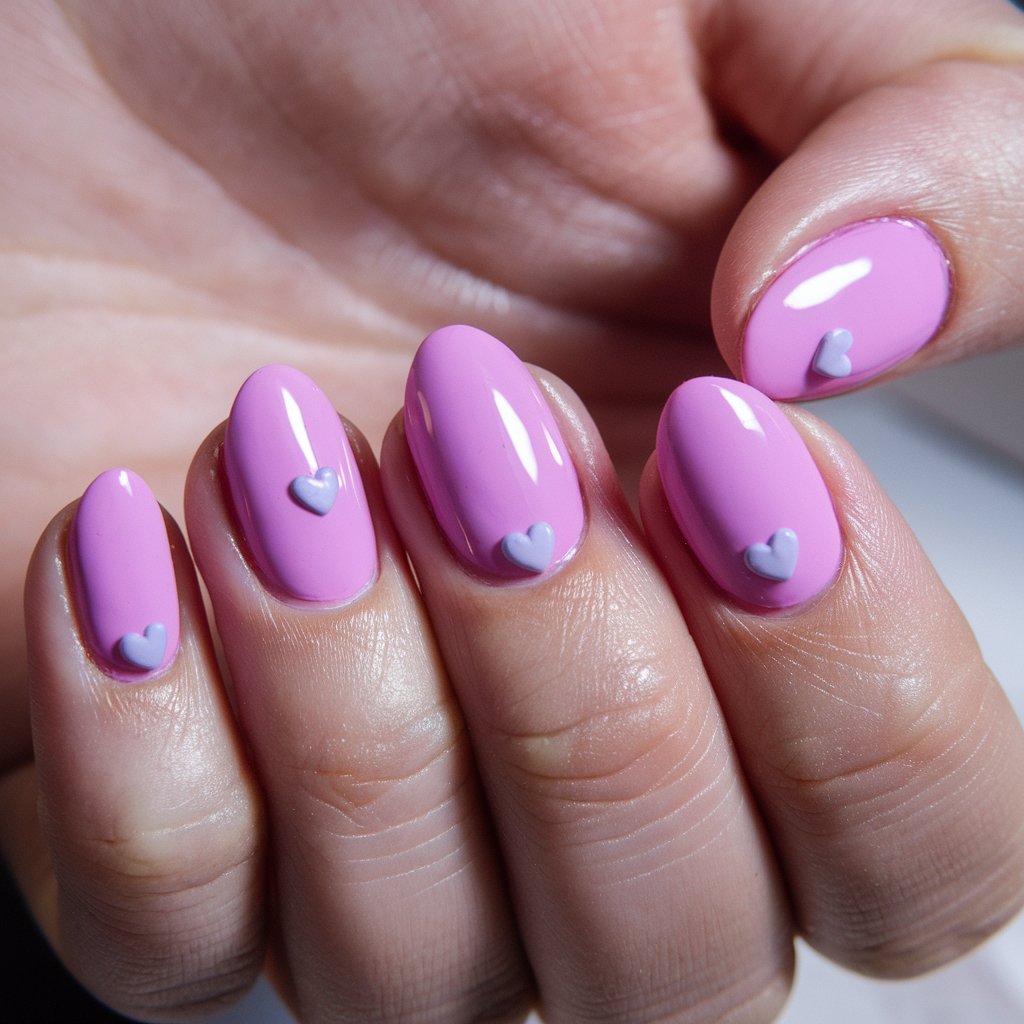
x=874 y=249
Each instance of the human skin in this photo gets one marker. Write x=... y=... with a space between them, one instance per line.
x=190 y=192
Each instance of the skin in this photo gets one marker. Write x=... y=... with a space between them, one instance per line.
x=625 y=817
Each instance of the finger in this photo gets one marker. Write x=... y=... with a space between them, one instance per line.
x=642 y=882
x=888 y=238
x=390 y=898
x=151 y=817
x=884 y=756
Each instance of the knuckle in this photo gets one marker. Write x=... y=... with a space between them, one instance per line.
x=192 y=851
x=375 y=779
x=602 y=740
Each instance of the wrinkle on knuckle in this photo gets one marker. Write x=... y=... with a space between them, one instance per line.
x=921 y=857
x=707 y=996
x=856 y=692
x=186 y=981
x=168 y=953
x=361 y=778
x=644 y=786
x=188 y=854
x=595 y=746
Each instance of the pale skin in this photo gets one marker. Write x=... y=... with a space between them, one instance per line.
x=610 y=793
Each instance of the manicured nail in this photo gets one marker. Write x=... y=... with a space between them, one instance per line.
x=296 y=490
x=123 y=576
x=490 y=456
x=746 y=494
x=846 y=309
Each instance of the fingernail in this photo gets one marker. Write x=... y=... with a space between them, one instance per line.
x=746 y=494
x=123 y=576
x=846 y=309
x=492 y=461
x=296 y=490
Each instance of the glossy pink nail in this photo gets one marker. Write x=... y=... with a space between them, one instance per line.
x=846 y=309
x=490 y=456
x=296 y=490
x=123 y=577
x=746 y=494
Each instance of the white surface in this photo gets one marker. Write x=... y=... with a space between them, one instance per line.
x=949 y=447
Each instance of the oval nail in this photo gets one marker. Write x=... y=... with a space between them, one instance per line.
x=123 y=576
x=846 y=309
x=296 y=489
x=490 y=456
x=746 y=494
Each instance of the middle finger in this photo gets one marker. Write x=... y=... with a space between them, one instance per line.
x=643 y=882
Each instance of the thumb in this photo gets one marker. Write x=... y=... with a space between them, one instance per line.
x=890 y=238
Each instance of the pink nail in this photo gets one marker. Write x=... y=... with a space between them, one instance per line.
x=123 y=577
x=746 y=494
x=846 y=309
x=489 y=453
x=296 y=489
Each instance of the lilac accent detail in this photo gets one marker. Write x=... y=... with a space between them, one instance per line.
x=284 y=430
x=145 y=651
x=886 y=281
x=318 y=492
x=531 y=550
x=123 y=576
x=775 y=560
x=733 y=468
x=488 y=450
x=831 y=359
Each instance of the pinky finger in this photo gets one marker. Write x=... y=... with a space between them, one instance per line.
x=146 y=804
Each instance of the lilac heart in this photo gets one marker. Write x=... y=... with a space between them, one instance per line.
x=830 y=359
x=531 y=550
x=775 y=560
x=146 y=651
x=316 y=493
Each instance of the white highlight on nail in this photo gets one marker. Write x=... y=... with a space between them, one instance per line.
x=298 y=425
x=517 y=434
x=828 y=284
x=747 y=417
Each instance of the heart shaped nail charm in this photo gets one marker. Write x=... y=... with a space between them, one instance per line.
x=531 y=550
x=830 y=359
x=145 y=651
x=316 y=493
x=775 y=560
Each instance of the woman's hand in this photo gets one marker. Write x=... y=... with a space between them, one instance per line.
x=543 y=781
x=190 y=192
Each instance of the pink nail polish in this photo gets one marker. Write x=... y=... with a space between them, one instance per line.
x=846 y=309
x=490 y=456
x=123 y=576
x=746 y=494
x=296 y=489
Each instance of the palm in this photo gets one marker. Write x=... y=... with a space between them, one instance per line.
x=189 y=194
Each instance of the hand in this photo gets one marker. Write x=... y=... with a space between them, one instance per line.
x=616 y=314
